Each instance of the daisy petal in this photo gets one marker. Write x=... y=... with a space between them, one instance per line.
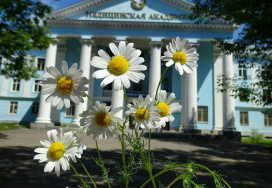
x=72 y=70
x=107 y=80
x=114 y=49
x=104 y=55
x=64 y=68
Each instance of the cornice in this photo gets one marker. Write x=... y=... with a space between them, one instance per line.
x=150 y=25
x=84 y=5
x=76 y=8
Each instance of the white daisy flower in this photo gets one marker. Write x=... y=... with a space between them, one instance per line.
x=144 y=112
x=121 y=68
x=62 y=88
x=100 y=121
x=167 y=107
x=57 y=151
x=182 y=54
x=80 y=147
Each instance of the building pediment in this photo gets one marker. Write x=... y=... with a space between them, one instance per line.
x=155 y=13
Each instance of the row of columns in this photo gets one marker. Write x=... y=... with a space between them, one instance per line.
x=188 y=88
x=44 y=114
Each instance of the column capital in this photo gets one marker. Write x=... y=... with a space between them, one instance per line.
x=116 y=42
x=195 y=45
x=86 y=41
x=55 y=41
x=155 y=43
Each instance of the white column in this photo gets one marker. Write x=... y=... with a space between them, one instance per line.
x=155 y=68
x=228 y=100
x=85 y=65
x=189 y=99
x=218 y=96
x=45 y=108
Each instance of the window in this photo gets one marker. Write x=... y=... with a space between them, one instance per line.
x=13 y=107
x=265 y=71
x=244 y=94
x=41 y=64
x=70 y=112
x=242 y=71
x=35 y=108
x=267 y=119
x=138 y=86
x=165 y=84
x=202 y=114
x=267 y=96
x=37 y=87
x=243 y=118
x=16 y=85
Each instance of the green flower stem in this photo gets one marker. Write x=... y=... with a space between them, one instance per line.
x=125 y=93
x=147 y=166
x=192 y=182
x=215 y=176
x=122 y=140
x=162 y=77
x=102 y=164
x=123 y=132
x=85 y=184
x=87 y=172
x=162 y=172
x=89 y=97
x=149 y=143
x=174 y=181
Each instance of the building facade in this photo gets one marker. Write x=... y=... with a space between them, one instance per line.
x=80 y=30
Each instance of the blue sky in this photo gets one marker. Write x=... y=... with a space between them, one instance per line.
x=64 y=3
x=59 y=3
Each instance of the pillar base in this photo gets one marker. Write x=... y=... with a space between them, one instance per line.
x=189 y=130
x=38 y=125
x=230 y=135
x=75 y=122
x=73 y=127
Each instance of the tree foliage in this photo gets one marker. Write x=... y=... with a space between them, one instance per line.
x=22 y=28
x=252 y=47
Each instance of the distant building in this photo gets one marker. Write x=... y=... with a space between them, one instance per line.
x=80 y=30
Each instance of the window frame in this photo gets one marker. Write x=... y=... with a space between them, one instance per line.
x=267 y=96
x=35 y=108
x=40 y=66
x=242 y=71
x=244 y=118
x=13 y=107
x=16 y=85
x=70 y=112
x=243 y=98
x=37 y=86
x=267 y=120
x=200 y=109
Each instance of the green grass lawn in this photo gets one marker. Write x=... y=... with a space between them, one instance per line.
x=7 y=126
x=267 y=142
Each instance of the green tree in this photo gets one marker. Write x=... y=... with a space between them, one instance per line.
x=22 y=28
x=254 y=43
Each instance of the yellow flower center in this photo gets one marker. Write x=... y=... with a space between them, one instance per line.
x=102 y=119
x=142 y=114
x=180 y=57
x=164 y=109
x=118 y=65
x=65 y=85
x=56 y=150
